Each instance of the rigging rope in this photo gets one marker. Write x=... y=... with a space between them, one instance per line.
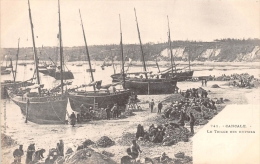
x=55 y=111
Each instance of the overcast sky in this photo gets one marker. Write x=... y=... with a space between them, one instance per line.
x=203 y=20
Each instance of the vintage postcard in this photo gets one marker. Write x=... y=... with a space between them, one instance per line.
x=130 y=82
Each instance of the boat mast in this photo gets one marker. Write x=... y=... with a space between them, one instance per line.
x=34 y=50
x=122 y=53
x=140 y=45
x=158 y=66
x=89 y=63
x=170 y=43
x=61 y=51
x=189 y=59
x=16 y=60
x=11 y=63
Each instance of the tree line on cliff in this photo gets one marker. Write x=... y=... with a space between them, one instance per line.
x=229 y=50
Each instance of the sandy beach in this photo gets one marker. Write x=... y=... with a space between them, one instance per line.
x=46 y=136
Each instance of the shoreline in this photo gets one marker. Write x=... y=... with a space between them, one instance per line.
x=115 y=129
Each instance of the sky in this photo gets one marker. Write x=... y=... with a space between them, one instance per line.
x=202 y=20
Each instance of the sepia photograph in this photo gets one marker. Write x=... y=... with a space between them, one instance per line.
x=130 y=82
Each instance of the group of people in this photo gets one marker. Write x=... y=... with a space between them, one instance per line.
x=33 y=155
x=178 y=110
x=115 y=111
x=204 y=82
x=194 y=93
x=88 y=114
x=152 y=104
x=243 y=81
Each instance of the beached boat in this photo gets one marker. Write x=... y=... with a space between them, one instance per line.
x=179 y=75
x=41 y=108
x=98 y=98
x=10 y=84
x=149 y=85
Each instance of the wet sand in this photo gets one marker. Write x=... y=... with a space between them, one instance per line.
x=46 y=136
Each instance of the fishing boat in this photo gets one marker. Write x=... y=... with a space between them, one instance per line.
x=90 y=70
x=178 y=74
x=41 y=107
x=101 y=96
x=5 y=72
x=10 y=84
x=22 y=64
x=55 y=71
x=43 y=69
x=57 y=74
x=149 y=85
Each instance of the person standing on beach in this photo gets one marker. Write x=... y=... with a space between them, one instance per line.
x=108 y=111
x=160 y=107
x=205 y=82
x=202 y=83
x=182 y=118
x=192 y=121
x=73 y=119
x=151 y=105
x=61 y=148
x=30 y=151
x=18 y=153
x=115 y=111
x=135 y=149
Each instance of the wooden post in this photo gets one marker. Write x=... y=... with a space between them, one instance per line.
x=27 y=110
x=148 y=87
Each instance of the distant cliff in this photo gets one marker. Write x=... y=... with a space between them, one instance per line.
x=225 y=50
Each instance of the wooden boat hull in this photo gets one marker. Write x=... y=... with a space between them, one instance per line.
x=152 y=86
x=100 y=100
x=57 y=75
x=44 y=71
x=117 y=77
x=5 y=72
x=43 y=110
x=180 y=76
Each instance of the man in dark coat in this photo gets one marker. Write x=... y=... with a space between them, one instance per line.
x=192 y=121
x=160 y=107
x=115 y=111
x=151 y=104
x=18 y=153
x=30 y=151
x=182 y=118
x=61 y=148
x=73 y=119
x=108 y=111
